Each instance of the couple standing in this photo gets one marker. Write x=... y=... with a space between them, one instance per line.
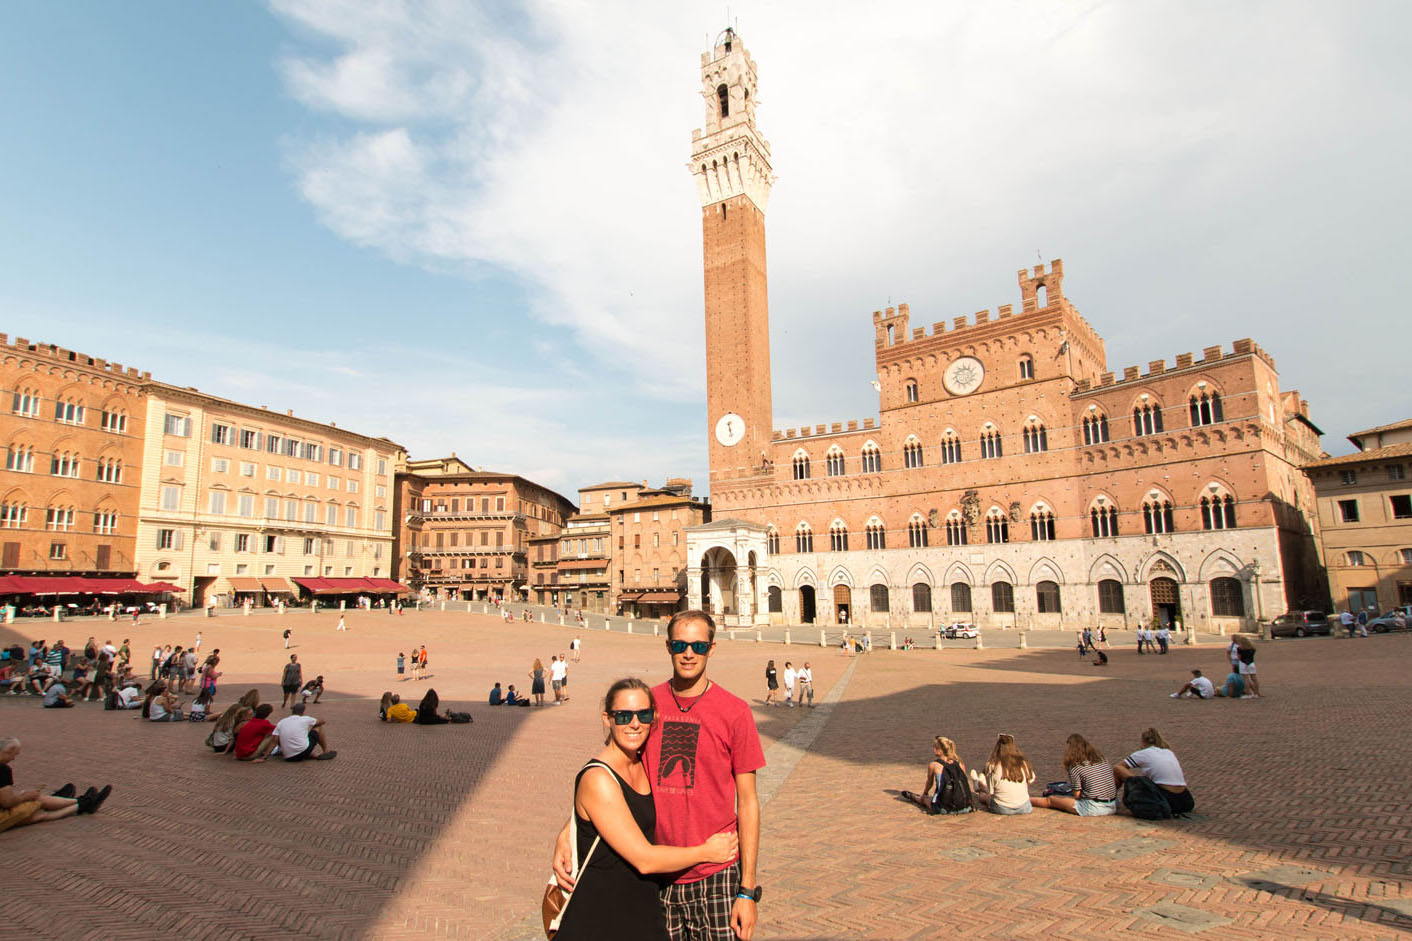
x=672 y=794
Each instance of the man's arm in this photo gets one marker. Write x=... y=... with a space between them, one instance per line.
x=747 y=812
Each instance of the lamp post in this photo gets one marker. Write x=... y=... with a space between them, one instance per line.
x=1255 y=591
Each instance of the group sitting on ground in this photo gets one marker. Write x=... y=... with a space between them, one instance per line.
x=509 y=697
x=1151 y=781
x=391 y=708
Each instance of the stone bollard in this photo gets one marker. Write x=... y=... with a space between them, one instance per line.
x=868 y=641
x=786 y=637
x=561 y=618
x=655 y=627
x=938 y=641
x=731 y=634
x=629 y=625
x=280 y=605
x=443 y=605
x=892 y=640
x=58 y=614
x=759 y=638
x=979 y=644
x=246 y=607
x=10 y=614
x=1190 y=637
x=162 y=611
x=1024 y=640
x=823 y=641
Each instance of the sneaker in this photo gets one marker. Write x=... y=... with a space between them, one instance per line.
x=100 y=797
x=86 y=799
x=1249 y=696
x=326 y=756
x=1175 y=695
x=66 y=791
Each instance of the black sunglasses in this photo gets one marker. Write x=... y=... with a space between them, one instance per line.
x=698 y=647
x=624 y=716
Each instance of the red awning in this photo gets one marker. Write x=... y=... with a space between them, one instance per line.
x=78 y=585
x=245 y=583
x=352 y=586
x=629 y=596
x=660 y=597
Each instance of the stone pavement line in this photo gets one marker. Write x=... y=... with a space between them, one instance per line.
x=782 y=757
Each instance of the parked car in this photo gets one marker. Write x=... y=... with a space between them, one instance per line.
x=961 y=629
x=1300 y=624
x=1386 y=622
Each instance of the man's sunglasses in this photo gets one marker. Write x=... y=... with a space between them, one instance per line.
x=624 y=716
x=699 y=647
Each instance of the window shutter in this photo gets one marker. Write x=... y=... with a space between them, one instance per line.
x=176 y=539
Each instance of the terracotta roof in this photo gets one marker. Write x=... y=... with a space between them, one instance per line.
x=1395 y=426
x=567 y=564
x=652 y=501
x=614 y=483
x=1359 y=457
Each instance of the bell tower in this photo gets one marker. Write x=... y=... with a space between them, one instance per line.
x=731 y=163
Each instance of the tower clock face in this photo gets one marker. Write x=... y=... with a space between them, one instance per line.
x=963 y=376
x=730 y=429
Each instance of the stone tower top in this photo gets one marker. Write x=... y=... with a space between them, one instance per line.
x=730 y=158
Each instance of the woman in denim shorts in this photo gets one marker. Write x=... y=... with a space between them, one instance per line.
x=1095 y=788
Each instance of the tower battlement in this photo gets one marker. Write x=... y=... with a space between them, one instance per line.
x=55 y=352
x=1210 y=355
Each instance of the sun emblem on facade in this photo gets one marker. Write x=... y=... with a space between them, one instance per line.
x=963 y=376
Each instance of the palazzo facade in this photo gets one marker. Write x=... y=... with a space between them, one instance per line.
x=1010 y=479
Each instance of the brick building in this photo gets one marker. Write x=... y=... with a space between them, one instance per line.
x=648 y=568
x=1010 y=477
x=586 y=547
x=1365 y=519
x=72 y=428
x=243 y=503
x=465 y=533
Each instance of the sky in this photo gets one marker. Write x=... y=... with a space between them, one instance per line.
x=470 y=227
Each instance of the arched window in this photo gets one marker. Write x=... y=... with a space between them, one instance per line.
x=1355 y=558
x=1110 y=597
x=27 y=402
x=1205 y=408
x=838 y=537
x=991 y=445
x=911 y=390
x=921 y=598
x=1217 y=511
x=1147 y=419
x=1041 y=524
x=114 y=420
x=1104 y=519
x=1002 y=597
x=1036 y=439
x=1227 y=598
x=723 y=97
x=834 y=461
x=105 y=522
x=68 y=410
x=110 y=470
x=912 y=452
x=955 y=529
x=59 y=518
x=20 y=457
x=776 y=599
x=64 y=464
x=1095 y=428
x=1046 y=596
x=961 y=597
x=917 y=532
x=997 y=526
x=877 y=598
x=950 y=448
x=803 y=538
x=801 y=465
x=1157 y=516
x=872 y=459
x=13 y=514
x=1026 y=367
x=875 y=534
x=772 y=541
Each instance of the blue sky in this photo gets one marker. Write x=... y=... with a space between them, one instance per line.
x=470 y=227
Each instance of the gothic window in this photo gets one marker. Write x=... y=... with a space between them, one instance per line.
x=772 y=541
x=838 y=537
x=110 y=470
x=1095 y=428
x=1036 y=439
x=64 y=464
x=1355 y=558
x=723 y=95
x=1206 y=409
x=1147 y=419
x=13 y=515
x=1227 y=598
x=1157 y=516
x=776 y=599
x=803 y=538
x=1110 y=597
x=1046 y=596
x=997 y=527
x=1218 y=512
x=990 y=444
x=921 y=598
x=20 y=457
x=1104 y=520
x=27 y=403
x=875 y=534
x=911 y=390
x=917 y=532
x=1026 y=367
x=961 y=597
x=872 y=459
x=955 y=529
x=801 y=466
x=877 y=597
x=834 y=461
x=950 y=448
x=1042 y=525
x=114 y=421
x=59 y=518
x=68 y=411
x=1002 y=598
x=912 y=453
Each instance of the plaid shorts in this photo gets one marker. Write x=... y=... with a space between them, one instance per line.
x=701 y=911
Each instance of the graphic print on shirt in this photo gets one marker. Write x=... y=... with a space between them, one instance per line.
x=677 y=765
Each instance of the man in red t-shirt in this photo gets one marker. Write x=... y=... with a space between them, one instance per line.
x=701 y=760
x=253 y=733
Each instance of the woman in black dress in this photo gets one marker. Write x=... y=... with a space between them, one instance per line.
x=615 y=896
x=772 y=683
x=537 y=688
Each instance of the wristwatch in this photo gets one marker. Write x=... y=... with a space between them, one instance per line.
x=751 y=894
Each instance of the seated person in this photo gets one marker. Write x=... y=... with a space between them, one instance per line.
x=1095 y=788
x=129 y=697
x=513 y=698
x=1234 y=687
x=496 y=696
x=297 y=736
x=251 y=733
x=160 y=705
x=10 y=680
x=1156 y=761
x=1198 y=687
x=938 y=797
x=200 y=707
x=315 y=688
x=427 y=710
x=1004 y=788
x=57 y=697
x=399 y=711
x=383 y=703
x=21 y=808
x=1102 y=660
x=38 y=679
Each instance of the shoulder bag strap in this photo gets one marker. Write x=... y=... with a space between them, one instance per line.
x=578 y=866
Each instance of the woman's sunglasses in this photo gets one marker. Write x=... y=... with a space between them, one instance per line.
x=624 y=716
x=699 y=647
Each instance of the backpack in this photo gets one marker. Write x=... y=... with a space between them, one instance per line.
x=1145 y=800
x=461 y=718
x=110 y=701
x=1246 y=655
x=953 y=791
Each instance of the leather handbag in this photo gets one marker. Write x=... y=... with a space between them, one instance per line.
x=556 y=900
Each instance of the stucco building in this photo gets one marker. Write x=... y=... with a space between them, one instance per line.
x=465 y=533
x=1365 y=519
x=73 y=430
x=648 y=568
x=1011 y=478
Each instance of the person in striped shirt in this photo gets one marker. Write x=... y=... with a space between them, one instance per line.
x=1095 y=788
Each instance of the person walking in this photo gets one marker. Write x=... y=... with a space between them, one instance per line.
x=291 y=680
x=574 y=646
x=805 y=681
x=772 y=683
x=286 y=638
x=342 y=624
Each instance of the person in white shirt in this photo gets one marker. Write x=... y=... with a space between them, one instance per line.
x=298 y=736
x=1198 y=687
x=805 y=679
x=558 y=672
x=157 y=657
x=1164 y=636
x=790 y=675
x=1156 y=761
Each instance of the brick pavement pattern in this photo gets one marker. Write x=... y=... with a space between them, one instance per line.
x=415 y=832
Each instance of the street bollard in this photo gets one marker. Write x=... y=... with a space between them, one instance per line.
x=786 y=637
x=162 y=611
x=758 y=636
x=1024 y=641
x=1190 y=640
x=823 y=641
x=938 y=640
x=629 y=625
x=58 y=614
x=246 y=606
x=561 y=618
x=979 y=644
x=868 y=641
x=892 y=640
x=655 y=626
x=731 y=634
x=10 y=614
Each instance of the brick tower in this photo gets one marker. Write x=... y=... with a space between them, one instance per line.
x=731 y=163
